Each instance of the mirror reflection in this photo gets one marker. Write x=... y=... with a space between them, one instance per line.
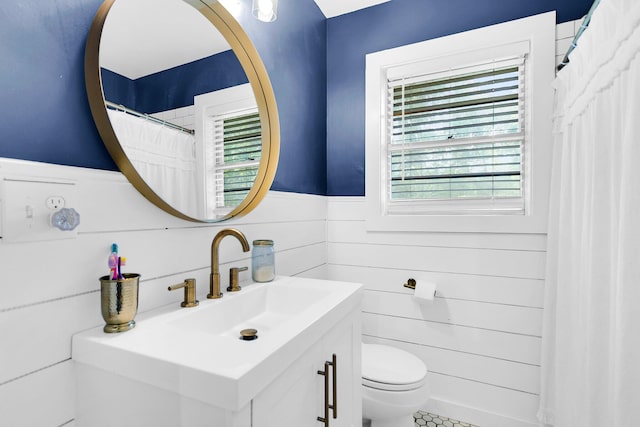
x=180 y=105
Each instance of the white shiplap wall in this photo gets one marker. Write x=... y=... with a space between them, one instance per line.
x=183 y=116
x=50 y=290
x=481 y=337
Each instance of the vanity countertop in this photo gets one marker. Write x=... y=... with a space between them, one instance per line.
x=197 y=352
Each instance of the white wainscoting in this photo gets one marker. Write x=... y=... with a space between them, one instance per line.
x=50 y=290
x=480 y=339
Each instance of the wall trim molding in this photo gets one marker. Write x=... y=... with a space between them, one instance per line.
x=479 y=417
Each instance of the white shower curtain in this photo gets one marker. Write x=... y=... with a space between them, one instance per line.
x=591 y=335
x=164 y=158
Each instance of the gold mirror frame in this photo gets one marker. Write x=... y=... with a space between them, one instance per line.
x=256 y=72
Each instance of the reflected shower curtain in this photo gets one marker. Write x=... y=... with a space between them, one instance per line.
x=591 y=336
x=164 y=158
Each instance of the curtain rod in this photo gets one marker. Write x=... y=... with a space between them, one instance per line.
x=574 y=43
x=148 y=117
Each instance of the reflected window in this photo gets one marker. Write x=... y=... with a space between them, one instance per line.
x=231 y=146
x=233 y=158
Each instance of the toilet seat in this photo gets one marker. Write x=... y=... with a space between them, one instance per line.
x=392 y=387
x=391 y=369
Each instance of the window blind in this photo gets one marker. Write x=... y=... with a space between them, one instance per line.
x=236 y=150
x=459 y=136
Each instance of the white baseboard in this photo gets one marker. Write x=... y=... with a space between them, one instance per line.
x=473 y=416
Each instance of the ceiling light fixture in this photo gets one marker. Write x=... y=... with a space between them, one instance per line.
x=265 y=10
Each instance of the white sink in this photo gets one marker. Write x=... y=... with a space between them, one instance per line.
x=264 y=307
x=197 y=352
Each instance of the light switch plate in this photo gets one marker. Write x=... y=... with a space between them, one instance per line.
x=27 y=207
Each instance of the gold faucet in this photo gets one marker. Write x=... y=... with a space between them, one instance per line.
x=189 y=286
x=214 y=278
x=234 y=278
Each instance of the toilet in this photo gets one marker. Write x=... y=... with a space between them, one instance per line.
x=394 y=386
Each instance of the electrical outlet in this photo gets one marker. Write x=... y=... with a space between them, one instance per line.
x=55 y=202
x=27 y=205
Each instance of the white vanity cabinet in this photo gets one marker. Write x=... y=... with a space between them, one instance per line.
x=187 y=368
x=297 y=397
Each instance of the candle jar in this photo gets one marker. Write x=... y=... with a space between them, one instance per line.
x=263 y=267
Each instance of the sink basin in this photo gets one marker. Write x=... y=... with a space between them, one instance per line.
x=197 y=352
x=264 y=308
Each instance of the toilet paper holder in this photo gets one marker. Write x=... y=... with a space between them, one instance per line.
x=411 y=284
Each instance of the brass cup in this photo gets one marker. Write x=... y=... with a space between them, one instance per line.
x=119 y=301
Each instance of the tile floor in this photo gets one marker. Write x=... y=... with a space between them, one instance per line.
x=427 y=419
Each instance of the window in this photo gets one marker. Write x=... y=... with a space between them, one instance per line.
x=229 y=146
x=458 y=130
x=457 y=137
x=234 y=156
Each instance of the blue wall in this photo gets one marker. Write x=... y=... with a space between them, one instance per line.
x=312 y=62
x=293 y=49
x=352 y=36
x=119 y=89
x=44 y=112
x=175 y=87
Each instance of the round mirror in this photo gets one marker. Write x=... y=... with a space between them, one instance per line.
x=184 y=105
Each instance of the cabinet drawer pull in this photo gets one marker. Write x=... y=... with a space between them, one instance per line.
x=327 y=406
x=334 y=365
x=325 y=373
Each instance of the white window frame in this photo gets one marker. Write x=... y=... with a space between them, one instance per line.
x=238 y=98
x=533 y=36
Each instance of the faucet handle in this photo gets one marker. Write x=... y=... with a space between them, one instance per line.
x=233 y=278
x=189 y=286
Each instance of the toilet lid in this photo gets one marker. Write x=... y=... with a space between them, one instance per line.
x=391 y=368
